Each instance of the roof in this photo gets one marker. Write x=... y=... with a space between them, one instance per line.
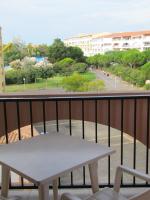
x=113 y=35
x=127 y=34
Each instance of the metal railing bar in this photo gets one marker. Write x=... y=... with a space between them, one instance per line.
x=122 y=118
x=83 y=136
x=96 y=139
x=147 y=136
x=44 y=119
x=31 y=117
x=5 y=122
x=72 y=98
x=19 y=131
x=57 y=122
x=70 y=132
x=134 y=143
x=109 y=140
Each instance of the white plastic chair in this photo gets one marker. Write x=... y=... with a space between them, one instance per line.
x=113 y=194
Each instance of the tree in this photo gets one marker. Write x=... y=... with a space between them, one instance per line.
x=79 y=67
x=104 y=60
x=31 y=49
x=45 y=72
x=16 y=64
x=93 y=60
x=133 y=58
x=147 y=55
x=57 y=51
x=146 y=70
x=42 y=50
x=28 y=62
x=115 y=56
x=13 y=51
x=64 y=66
x=75 y=53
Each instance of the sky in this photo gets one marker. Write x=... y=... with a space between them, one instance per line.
x=41 y=21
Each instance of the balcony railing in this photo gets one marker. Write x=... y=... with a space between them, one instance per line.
x=118 y=121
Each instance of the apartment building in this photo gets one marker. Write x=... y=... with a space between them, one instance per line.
x=93 y=44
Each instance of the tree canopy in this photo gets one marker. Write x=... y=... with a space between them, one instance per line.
x=58 y=51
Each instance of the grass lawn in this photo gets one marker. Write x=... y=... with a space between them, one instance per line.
x=54 y=82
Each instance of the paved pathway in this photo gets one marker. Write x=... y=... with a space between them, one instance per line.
x=114 y=83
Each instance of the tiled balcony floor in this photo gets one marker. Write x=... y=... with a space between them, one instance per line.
x=83 y=193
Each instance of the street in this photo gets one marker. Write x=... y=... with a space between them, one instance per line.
x=114 y=83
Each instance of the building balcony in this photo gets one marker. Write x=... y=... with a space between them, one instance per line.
x=120 y=121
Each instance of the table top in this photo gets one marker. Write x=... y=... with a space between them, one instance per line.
x=46 y=157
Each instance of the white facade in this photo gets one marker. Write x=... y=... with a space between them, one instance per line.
x=93 y=44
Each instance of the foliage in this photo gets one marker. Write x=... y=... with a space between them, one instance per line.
x=73 y=82
x=134 y=76
x=80 y=67
x=27 y=62
x=147 y=55
x=115 y=56
x=96 y=85
x=52 y=82
x=67 y=66
x=133 y=58
x=146 y=70
x=75 y=53
x=93 y=60
x=13 y=52
x=18 y=50
x=42 y=50
x=11 y=77
x=64 y=66
x=30 y=74
x=78 y=83
x=58 y=51
x=45 y=72
x=104 y=60
x=16 y=64
x=147 y=86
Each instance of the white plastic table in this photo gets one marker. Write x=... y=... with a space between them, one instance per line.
x=45 y=158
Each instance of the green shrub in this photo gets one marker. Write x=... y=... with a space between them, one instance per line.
x=67 y=66
x=11 y=77
x=45 y=72
x=146 y=70
x=147 y=86
x=77 y=82
x=30 y=74
x=79 y=67
x=96 y=85
x=73 y=82
x=64 y=66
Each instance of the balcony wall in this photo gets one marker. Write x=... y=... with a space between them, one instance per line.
x=127 y=113
x=131 y=109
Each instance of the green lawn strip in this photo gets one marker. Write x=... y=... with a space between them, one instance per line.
x=89 y=76
x=54 y=82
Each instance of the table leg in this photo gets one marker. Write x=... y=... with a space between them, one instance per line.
x=5 y=181
x=55 y=189
x=43 y=192
x=93 y=169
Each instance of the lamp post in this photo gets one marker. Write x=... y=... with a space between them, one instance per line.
x=2 y=73
x=24 y=83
